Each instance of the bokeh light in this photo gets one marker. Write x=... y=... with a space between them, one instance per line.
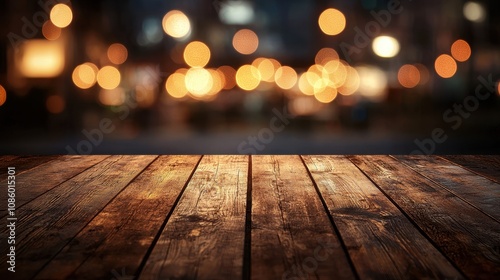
x=117 y=53
x=325 y=55
x=217 y=81
x=176 y=86
x=3 y=95
x=460 y=50
x=114 y=97
x=445 y=66
x=248 y=77
x=351 y=83
x=327 y=95
x=474 y=12
x=41 y=58
x=409 y=76
x=50 y=31
x=197 y=54
x=286 y=77
x=266 y=68
x=108 y=77
x=85 y=75
x=55 y=104
x=332 y=21
x=385 y=46
x=245 y=41
x=198 y=81
x=176 y=24
x=229 y=76
x=304 y=86
x=61 y=15
x=373 y=83
x=424 y=73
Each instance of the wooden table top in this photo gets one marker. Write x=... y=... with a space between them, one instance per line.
x=254 y=217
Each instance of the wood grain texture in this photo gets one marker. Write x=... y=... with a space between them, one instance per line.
x=486 y=165
x=24 y=163
x=467 y=236
x=46 y=176
x=204 y=237
x=120 y=235
x=46 y=224
x=381 y=241
x=292 y=237
x=479 y=191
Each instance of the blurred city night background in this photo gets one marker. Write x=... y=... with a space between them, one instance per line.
x=246 y=77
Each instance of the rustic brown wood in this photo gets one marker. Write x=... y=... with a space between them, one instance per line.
x=5 y=162
x=479 y=191
x=381 y=241
x=24 y=163
x=292 y=237
x=133 y=218
x=204 y=237
x=46 y=176
x=467 y=236
x=49 y=222
x=488 y=166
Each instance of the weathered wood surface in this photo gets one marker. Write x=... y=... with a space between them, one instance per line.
x=254 y=217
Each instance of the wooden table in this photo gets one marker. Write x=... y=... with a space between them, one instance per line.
x=258 y=217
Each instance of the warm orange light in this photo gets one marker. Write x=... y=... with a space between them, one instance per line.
x=304 y=86
x=61 y=15
x=266 y=68
x=218 y=81
x=409 y=76
x=55 y=104
x=286 y=77
x=117 y=53
x=335 y=72
x=196 y=54
x=424 y=73
x=332 y=21
x=40 y=59
x=85 y=75
x=245 y=41
x=176 y=24
x=445 y=66
x=50 y=31
x=460 y=50
x=229 y=76
x=108 y=77
x=114 y=97
x=248 y=77
x=325 y=55
x=3 y=95
x=326 y=95
x=351 y=83
x=198 y=81
x=176 y=86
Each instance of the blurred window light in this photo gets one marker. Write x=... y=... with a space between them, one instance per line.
x=286 y=77
x=114 y=97
x=61 y=15
x=3 y=95
x=373 y=83
x=198 y=81
x=474 y=12
x=85 y=75
x=40 y=59
x=176 y=24
x=385 y=46
x=460 y=50
x=55 y=104
x=236 y=12
x=108 y=77
x=229 y=76
x=117 y=53
x=245 y=41
x=176 y=86
x=248 y=77
x=50 y=31
x=197 y=54
x=445 y=66
x=332 y=21
x=409 y=76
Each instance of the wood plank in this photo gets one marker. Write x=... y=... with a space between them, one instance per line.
x=46 y=176
x=467 y=236
x=382 y=242
x=479 y=191
x=485 y=165
x=25 y=163
x=120 y=235
x=204 y=237
x=5 y=162
x=292 y=236
x=48 y=223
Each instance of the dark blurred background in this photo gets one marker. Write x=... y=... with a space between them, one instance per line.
x=270 y=77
